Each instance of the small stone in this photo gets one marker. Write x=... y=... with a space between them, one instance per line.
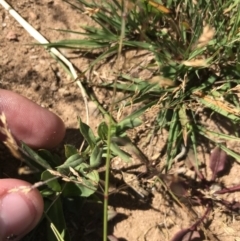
x=12 y=36
x=38 y=27
x=54 y=67
x=63 y=92
x=35 y=86
x=25 y=51
x=33 y=16
x=54 y=87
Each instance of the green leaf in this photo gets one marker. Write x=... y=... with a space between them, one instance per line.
x=71 y=190
x=210 y=134
x=79 y=43
x=35 y=156
x=87 y=188
x=118 y=152
x=52 y=159
x=103 y=131
x=83 y=168
x=93 y=176
x=217 y=108
x=89 y=175
x=87 y=134
x=128 y=123
x=173 y=135
x=139 y=112
x=70 y=150
x=74 y=189
x=54 y=214
x=89 y=181
x=72 y=161
x=47 y=192
x=53 y=184
x=110 y=52
x=230 y=152
x=96 y=157
x=60 y=237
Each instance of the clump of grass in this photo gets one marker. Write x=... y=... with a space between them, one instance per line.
x=196 y=60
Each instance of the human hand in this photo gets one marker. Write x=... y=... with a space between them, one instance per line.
x=37 y=127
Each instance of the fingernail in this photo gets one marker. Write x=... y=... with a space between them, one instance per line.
x=17 y=212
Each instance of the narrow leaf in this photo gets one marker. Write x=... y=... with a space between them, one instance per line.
x=55 y=215
x=87 y=134
x=128 y=123
x=72 y=161
x=218 y=161
x=211 y=134
x=56 y=233
x=230 y=153
x=118 y=152
x=70 y=150
x=96 y=157
x=86 y=188
x=103 y=130
x=35 y=156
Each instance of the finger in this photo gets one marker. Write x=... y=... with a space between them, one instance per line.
x=29 y=122
x=19 y=211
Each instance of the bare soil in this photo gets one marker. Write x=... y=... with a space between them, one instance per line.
x=29 y=70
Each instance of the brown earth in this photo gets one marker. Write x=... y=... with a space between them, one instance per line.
x=30 y=70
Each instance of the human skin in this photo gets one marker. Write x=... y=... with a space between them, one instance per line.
x=39 y=128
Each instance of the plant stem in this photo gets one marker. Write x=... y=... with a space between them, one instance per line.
x=105 y=208
x=106 y=186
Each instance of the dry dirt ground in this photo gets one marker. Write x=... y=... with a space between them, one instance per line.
x=30 y=70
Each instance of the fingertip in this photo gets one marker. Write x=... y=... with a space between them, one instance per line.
x=29 y=122
x=20 y=209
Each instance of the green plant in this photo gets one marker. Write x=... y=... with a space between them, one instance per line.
x=195 y=62
x=195 y=59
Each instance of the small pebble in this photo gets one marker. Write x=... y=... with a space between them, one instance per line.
x=35 y=86
x=12 y=36
x=33 y=16
x=63 y=92
x=54 y=87
x=38 y=27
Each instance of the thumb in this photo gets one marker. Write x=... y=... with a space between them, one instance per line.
x=20 y=209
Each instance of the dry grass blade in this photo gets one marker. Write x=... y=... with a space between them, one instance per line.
x=196 y=63
x=9 y=141
x=218 y=104
x=206 y=36
x=159 y=7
